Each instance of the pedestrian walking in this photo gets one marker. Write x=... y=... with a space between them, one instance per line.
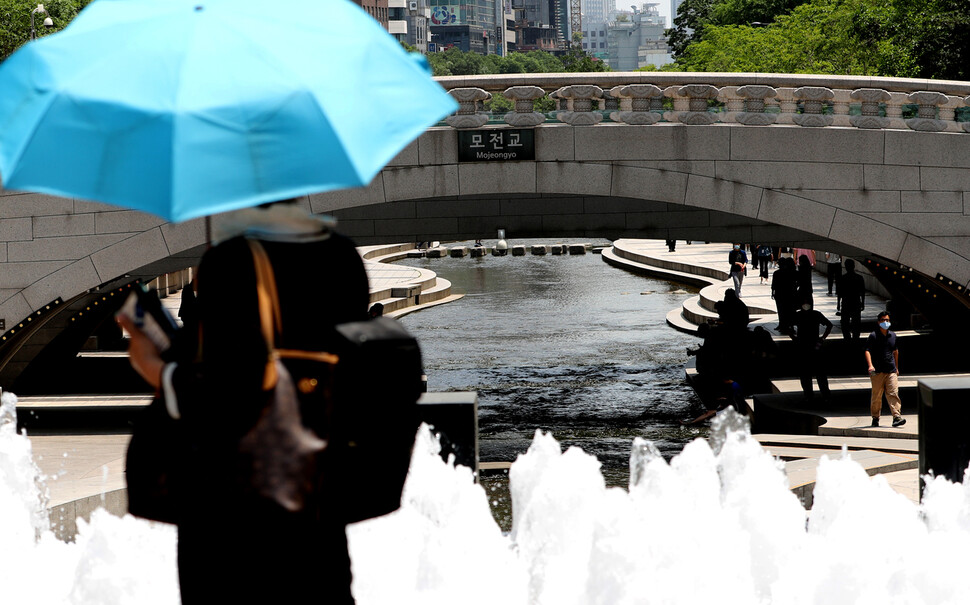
x=833 y=270
x=850 y=291
x=765 y=259
x=882 y=357
x=739 y=262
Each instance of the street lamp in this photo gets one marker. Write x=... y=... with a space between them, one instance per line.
x=48 y=22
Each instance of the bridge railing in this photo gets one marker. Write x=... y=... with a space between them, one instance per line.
x=753 y=99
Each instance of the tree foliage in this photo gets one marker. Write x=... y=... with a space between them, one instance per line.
x=15 y=21
x=454 y=62
x=862 y=37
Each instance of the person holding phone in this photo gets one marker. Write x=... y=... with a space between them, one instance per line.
x=233 y=546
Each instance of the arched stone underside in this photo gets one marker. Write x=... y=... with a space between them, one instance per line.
x=899 y=195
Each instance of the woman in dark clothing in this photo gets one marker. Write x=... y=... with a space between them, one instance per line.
x=804 y=282
x=783 y=291
x=235 y=546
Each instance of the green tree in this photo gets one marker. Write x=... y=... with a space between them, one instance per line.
x=15 y=21
x=935 y=35
x=822 y=36
x=578 y=60
x=746 y=12
x=689 y=23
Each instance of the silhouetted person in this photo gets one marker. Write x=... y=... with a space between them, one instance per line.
x=783 y=288
x=376 y=310
x=834 y=269
x=764 y=257
x=808 y=345
x=236 y=545
x=732 y=312
x=804 y=281
x=851 y=292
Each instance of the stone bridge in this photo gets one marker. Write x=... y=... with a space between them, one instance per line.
x=876 y=168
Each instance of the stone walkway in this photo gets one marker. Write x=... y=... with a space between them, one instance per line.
x=880 y=450
x=706 y=266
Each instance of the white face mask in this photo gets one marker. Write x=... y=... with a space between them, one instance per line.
x=884 y=325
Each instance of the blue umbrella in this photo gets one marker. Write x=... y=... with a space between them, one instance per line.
x=186 y=108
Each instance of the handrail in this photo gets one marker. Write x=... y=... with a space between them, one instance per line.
x=553 y=81
x=704 y=98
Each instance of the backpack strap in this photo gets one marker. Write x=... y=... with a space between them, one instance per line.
x=269 y=309
x=270 y=319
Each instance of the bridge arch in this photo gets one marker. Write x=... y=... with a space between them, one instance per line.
x=895 y=189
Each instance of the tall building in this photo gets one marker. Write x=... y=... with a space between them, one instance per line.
x=542 y=25
x=470 y=25
x=596 y=15
x=376 y=9
x=639 y=40
x=408 y=21
x=674 y=5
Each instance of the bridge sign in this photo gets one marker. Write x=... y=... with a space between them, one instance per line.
x=503 y=145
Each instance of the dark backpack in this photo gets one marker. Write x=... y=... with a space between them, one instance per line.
x=373 y=417
x=364 y=405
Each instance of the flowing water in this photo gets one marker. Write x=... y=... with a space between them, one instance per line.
x=566 y=344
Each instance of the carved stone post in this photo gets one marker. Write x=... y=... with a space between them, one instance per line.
x=582 y=98
x=733 y=103
x=948 y=113
x=610 y=103
x=813 y=100
x=926 y=117
x=524 y=98
x=870 y=99
x=697 y=95
x=966 y=125
x=840 y=107
x=894 y=110
x=681 y=103
x=787 y=104
x=754 y=105
x=640 y=97
x=468 y=115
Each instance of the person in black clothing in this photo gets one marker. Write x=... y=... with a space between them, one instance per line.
x=764 y=256
x=738 y=261
x=783 y=289
x=732 y=312
x=850 y=290
x=804 y=282
x=235 y=545
x=808 y=345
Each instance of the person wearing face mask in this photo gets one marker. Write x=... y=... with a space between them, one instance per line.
x=738 y=260
x=882 y=357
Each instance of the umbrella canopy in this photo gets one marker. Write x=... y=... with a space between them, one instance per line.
x=186 y=108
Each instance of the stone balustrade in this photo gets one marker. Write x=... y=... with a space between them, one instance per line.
x=646 y=98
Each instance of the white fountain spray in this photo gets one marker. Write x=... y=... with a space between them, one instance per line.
x=715 y=525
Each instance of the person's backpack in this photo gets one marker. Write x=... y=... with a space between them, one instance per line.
x=361 y=399
x=373 y=417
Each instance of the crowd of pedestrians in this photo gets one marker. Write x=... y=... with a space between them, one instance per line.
x=736 y=361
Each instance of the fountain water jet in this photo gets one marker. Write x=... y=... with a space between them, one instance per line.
x=713 y=525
